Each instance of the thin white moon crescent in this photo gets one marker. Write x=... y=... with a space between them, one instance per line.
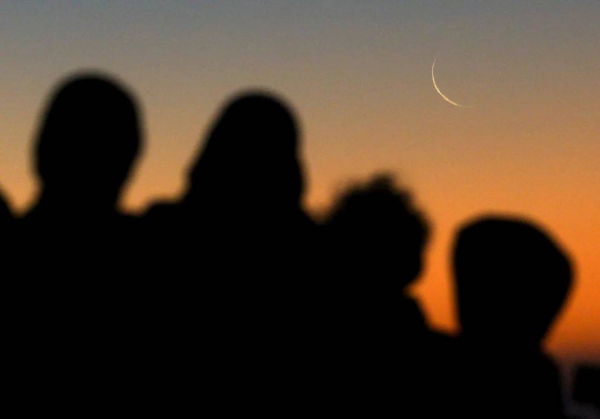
x=439 y=91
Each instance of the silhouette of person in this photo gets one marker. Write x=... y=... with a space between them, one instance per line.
x=86 y=147
x=249 y=166
x=87 y=144
x=237 y=246
x=511 y=281
x=77 y=249
x=391 y=361
x=247 y=178
x=85 y=150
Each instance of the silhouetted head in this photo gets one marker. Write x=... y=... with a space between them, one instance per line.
x=511 y=281
x=250 y=160
x=88 y=141
x=382 y=232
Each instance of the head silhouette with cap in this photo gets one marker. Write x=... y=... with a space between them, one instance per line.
x=511 y=281
x=88 y=142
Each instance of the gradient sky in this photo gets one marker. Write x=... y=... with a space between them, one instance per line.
x=359 y=76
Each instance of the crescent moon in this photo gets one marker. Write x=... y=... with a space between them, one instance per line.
x=446 y=98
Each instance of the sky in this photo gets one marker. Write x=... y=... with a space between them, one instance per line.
x=359 y=76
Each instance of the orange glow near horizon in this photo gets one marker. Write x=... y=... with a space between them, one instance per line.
x=359 y=77
x=543 y=190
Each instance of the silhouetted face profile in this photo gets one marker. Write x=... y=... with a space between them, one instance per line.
x=383 y=234
x=88 y=141
x=250 y=160
x=511 y=280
